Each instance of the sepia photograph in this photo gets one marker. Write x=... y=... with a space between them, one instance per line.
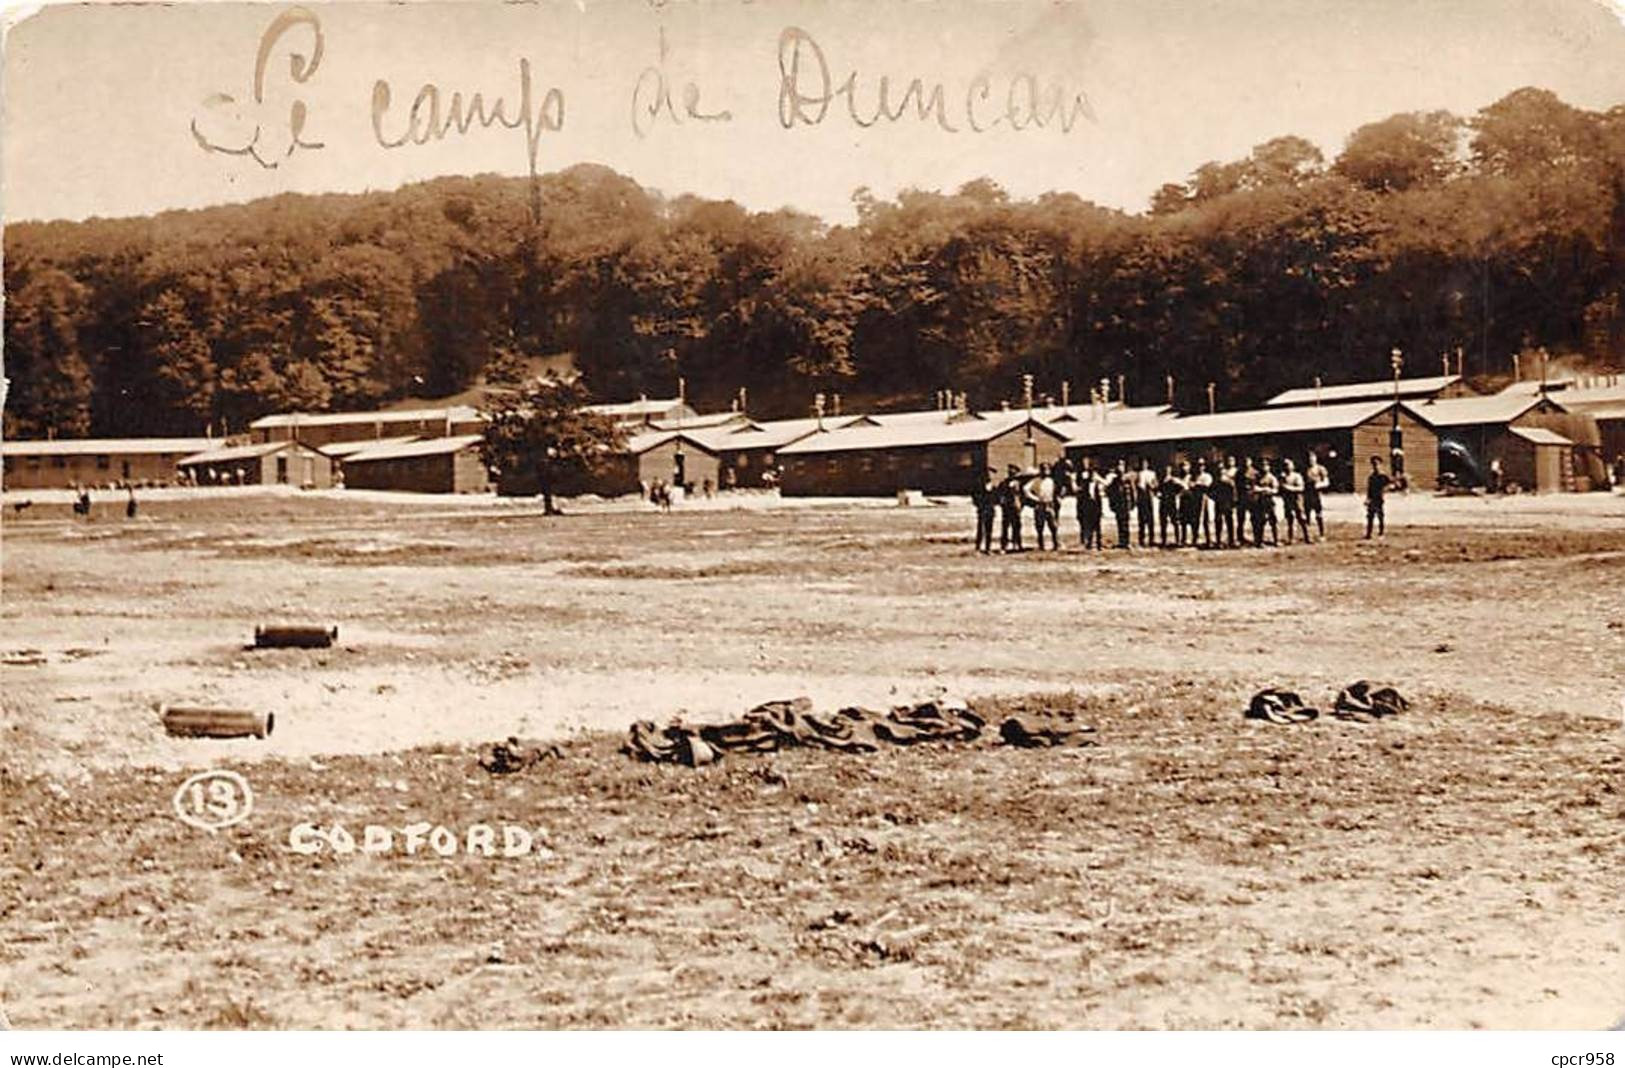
x=818 y=515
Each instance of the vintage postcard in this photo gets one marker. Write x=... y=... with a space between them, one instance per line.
x=813 y=514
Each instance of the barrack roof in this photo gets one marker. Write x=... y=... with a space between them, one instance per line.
x=341 y=449
x=420 y=447
x=1469 y=411
x=457 y=413
x=101 y=446
x=1254 y=422
x=916 y=434
x=1540 y=435
x=1353 y=391
x=228 y=453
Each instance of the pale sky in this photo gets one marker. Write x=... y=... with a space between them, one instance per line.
x=100 y=100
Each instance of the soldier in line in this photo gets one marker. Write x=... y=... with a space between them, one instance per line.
x=985 y=495
x=1010 y=511
x=1120 y=494
x=1224 y=505
x=1246 y=487
x=1376 y=491
x=1039 y=492
x=1168 y=497
x=1204 y=501
x=1264 y=492
x=1145 y=500
x=1090 y=505
x=1292 y=488
x=1316 y=481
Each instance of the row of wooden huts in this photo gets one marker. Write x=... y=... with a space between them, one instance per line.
x=426 y=450
x=1541 y=440
x=1440 y=427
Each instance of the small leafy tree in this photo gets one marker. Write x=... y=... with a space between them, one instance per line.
x=540 y=439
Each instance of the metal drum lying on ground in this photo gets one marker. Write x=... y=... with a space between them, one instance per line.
x=197 y=721
x=295 y=636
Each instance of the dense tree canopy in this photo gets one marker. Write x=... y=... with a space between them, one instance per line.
x=1427 y=232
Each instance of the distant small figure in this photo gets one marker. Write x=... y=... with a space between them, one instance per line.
x=1316 y=482
x=706 y=488
x=1120 y=496
x=1293 y=487
x=1010 y=511
x=1265 y=490
x=1495 y=480
x=129 y=504
x=1039 y=492
x=1376 y=490
x=985 y=496
x=729 y=479
x=81 y=504
x=1224 y=504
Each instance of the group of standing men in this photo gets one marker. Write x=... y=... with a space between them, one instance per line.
x=1198 y=505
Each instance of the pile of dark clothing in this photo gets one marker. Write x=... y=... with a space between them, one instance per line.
x=793 y=724
x=1358 y=702
x=1280 y=707
x=1362 y=704
x=505 y=758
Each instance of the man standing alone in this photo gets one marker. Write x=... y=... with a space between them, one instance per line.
x=1376 y=491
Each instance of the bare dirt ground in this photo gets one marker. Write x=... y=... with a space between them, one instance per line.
x=1458 y=867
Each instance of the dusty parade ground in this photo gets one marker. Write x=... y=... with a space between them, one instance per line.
x=1458 y=866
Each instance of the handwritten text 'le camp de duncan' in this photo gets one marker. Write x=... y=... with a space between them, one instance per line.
x=809 y=94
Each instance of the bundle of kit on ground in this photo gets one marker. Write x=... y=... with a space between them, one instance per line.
x=793 y=724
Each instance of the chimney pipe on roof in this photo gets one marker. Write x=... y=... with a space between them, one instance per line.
x=1170 y=380
x=1517 y=367
x=1066 y=394
x=1211 y=405
x=1122 y=394
x=1317 y=391
x=818 y=409
x=837 y=404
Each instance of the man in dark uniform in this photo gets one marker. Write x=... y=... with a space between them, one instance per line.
x=1246 y=487
x=1224 y=505
x=1120 y=493
x=1168 y=504
x=1265 y=490
x=1010 y=511
x=1376 y=491
x=985 y=496
x=1089 y=505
